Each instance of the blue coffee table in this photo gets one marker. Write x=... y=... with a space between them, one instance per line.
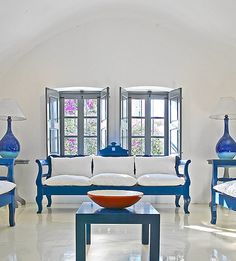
x=140 y=213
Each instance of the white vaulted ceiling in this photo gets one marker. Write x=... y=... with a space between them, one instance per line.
x=27 y=23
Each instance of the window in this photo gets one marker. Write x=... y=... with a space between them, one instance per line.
x=150 y=122
x=78 y=123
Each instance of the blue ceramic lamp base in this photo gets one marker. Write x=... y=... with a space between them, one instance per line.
x=9 y=145
x=226 y=146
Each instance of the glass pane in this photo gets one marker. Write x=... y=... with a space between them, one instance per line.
x=90 y=146
x=53 y=109
x=137 y=146
x=103 y=138
x=103 y=109
x=138 y=107
x=90 y=107
x=90 y=127
x=54 y=146
x=71 y=126
x=157 y=127
x=174 y=110
x=138 y=127
x=71 y=107
x=71 y=146
x=124 y=108
x=157 y=146
x=174 y=141
x=157 y=108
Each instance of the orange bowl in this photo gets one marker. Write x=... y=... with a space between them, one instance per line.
x=115 y=198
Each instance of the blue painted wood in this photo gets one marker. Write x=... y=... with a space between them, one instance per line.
x=113 y=150
x=140 y=213
x=9 y=197
x=218 y=198
x=48 y=191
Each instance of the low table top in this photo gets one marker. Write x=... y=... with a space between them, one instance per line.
x=143 y=208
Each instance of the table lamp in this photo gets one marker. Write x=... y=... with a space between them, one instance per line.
x=10 y=111
x=225 y=110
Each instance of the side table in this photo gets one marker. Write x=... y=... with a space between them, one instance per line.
x=140 y=213
x=18 y=198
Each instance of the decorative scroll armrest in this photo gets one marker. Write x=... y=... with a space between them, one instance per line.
x=41 y=163
x=185 y=163
x=9 y=163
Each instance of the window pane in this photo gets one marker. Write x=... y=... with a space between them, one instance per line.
x=174 y=110
x=103 y=110
x=157 y=127
x=138 y=107
x=157 y=146
x=70 y=127
x=90 y=127
x=138 y=127
x=157 y=108
x=71 y=146
x=90 y=107
x=137 y=146
x=103 y=138
x=90 y=146
x=174 y=141
x=71 y=107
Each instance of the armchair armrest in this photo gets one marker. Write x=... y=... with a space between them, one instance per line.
x=185 y=163
x=9 y=163
x=41 y=163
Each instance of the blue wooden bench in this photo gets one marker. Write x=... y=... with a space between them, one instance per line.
x=111 y=150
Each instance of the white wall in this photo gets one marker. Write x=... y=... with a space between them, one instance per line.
x=128 y=50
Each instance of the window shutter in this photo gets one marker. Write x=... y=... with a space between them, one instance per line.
x=175 y=122
x=104 y=118
x=52 y=122
x=124 y=130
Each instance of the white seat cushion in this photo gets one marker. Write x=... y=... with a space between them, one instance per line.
x=6 y=186
x=111 y=179
x=81 y=166
x=228 y=188
x=155 y=165
x=68 y=180
x=160 y=180
x=124 y=165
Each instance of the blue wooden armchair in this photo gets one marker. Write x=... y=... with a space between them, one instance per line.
x=7 y=189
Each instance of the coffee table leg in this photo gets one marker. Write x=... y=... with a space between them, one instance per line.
x=80 y=240
x=155 y=240
x=145 y=234
x=88 y=234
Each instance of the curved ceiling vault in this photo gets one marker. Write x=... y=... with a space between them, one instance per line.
x=27 y=23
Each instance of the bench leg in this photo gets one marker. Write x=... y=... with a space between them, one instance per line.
x=186 y=205
x=177 y=197
x=49 y=197
x=145 y=234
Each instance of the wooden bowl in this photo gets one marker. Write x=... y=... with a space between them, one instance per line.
x=117 y=199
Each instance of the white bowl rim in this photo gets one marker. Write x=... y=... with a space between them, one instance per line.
x=115 y=193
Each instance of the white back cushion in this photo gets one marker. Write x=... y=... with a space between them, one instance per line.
x=81 y=166
x=155 y=165
x=120 y=165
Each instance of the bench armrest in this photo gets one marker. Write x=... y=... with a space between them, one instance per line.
x=41 y=163
x=185 y=164
x=9 y=163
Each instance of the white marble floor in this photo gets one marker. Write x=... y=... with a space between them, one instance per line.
x=51 y=236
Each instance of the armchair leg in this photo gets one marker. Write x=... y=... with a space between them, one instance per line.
x=49 y=197
x=213 y=213
x=39 y=200
x=186 y=205
x=177 y=197
x=12 y=214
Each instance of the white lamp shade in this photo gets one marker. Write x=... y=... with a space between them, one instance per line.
x=225 y=106
x=9 y=107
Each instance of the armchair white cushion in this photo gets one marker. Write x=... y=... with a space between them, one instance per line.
x=68 y=180
x=80 y=166
x=119 y=165
x=6 y=186
x=228 y=188
x=111 y=179
x=160 y=180
x=155 y=165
